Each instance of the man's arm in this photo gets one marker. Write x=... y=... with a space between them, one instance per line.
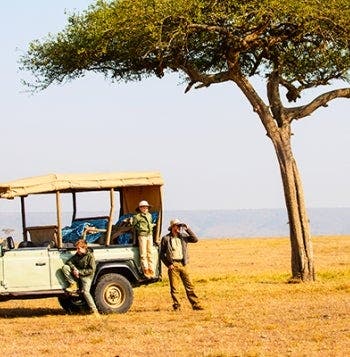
x=70 y=262
x=163 y=251
x=90 y=268
x=190 y=237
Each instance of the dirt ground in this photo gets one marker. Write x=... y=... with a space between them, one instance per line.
x=250 y=310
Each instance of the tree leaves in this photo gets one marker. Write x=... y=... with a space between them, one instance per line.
x=308 y=41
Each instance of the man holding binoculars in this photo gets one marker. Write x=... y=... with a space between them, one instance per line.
x=174 y=254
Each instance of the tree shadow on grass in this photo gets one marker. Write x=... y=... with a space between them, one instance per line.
x=9 y=313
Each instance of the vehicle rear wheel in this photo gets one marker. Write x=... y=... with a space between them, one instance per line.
x=73 y=304
x=113 y=294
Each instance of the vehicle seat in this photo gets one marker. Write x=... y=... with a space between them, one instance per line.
x=42 y=235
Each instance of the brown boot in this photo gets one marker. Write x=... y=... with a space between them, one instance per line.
x=147 y=274
x=72 y=288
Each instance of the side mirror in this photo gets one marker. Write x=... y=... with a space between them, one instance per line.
x=7 y=244
x=10 y=243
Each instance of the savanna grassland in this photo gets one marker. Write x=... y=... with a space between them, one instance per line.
x=250 y=310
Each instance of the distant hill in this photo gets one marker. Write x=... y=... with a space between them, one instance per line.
x=260 y=222
x=216 y=223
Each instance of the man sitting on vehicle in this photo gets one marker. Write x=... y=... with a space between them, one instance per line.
x=81 y=268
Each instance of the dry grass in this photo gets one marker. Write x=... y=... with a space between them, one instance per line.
x=250 y=310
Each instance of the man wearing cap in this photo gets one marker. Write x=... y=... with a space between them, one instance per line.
x=143 y=226
x=174 y=254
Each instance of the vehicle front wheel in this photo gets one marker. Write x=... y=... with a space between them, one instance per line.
x=73 y=304
x=113 y=294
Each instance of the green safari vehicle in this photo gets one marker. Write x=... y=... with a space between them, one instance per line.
x=30 y=265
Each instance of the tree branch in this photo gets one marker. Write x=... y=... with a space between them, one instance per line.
x=204 y=80
x=293 y=92
x=257 y=103
x=247 y=40
x=321 y=101
x=273 y=96
x=210 y=28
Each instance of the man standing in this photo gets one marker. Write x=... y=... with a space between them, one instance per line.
x=174 y=254
x=81 y=268
x=143 y=227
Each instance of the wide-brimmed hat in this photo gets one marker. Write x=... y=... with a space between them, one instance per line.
x=143 y=203
x=174 y=222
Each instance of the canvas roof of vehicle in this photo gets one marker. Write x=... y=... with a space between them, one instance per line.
x=77 y=182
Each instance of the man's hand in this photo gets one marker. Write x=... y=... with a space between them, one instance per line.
x=76 y=272
x=171 y=267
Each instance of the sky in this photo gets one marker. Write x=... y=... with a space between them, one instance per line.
x=209 y=146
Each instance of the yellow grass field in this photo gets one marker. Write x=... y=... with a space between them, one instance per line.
x=250 y=310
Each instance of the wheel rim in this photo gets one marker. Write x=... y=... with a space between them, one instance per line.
x=114 y=296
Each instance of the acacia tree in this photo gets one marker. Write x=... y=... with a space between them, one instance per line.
x=293 y=45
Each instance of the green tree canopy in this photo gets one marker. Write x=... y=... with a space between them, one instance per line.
x=306 y=41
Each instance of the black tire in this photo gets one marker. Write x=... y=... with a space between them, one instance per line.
x=113 y=294
x=73 y=304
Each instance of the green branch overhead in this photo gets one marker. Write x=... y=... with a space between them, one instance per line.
x=125 y=40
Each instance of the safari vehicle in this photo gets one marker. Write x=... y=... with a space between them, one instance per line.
x=31 y=268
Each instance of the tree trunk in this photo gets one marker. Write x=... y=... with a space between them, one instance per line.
x=301 y=246
x=278 y=129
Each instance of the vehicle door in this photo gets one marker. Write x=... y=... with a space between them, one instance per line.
x=26 y=269
x=58 y=257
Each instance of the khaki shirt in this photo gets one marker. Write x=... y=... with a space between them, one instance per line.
x=142 y=222
x=176 y=248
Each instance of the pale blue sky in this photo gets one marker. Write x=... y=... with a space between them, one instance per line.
x=208 y=144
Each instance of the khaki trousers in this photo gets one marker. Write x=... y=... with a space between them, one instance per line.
x=179 y=272
x=145 y=248
x=85 y=282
